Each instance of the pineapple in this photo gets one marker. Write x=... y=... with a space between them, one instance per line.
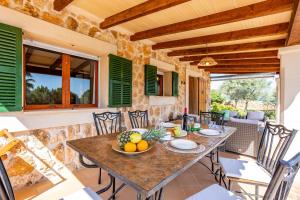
x=154 y=135
x=123 y=138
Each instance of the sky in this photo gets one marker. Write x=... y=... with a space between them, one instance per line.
x=78 y=86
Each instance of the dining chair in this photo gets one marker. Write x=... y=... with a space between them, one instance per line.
x=274 y=144
x=7 y=193
x=278 y=189
x=213 y=118
x=105 y=123
x=139 y=119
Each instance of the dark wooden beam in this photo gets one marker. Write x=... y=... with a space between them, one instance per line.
x=139 y=10
x=276 y=29
x=245 y=61
x=230 y=48
x=81 y=66
x=252 y=66
x=238 y=14
x=294 y=29
x=59 y=5
x=235 y=56
x=242 y=70
x=56 y=63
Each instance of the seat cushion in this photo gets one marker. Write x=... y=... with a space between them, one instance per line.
x=83 y=194
x=246 y=170
x=214 y=192
x=244 y=121
x=256 y=115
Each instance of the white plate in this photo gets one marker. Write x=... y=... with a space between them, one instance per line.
x=168 y=125
x=140 y=130
x=183 y=134
x=209 y=132
x=183 y=144
x=167 y=137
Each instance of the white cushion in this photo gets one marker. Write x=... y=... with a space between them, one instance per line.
x=83 y=194
x=247 y=170
x=256 y=115
x=214 y=192
x=233 y=113
x=245 y=121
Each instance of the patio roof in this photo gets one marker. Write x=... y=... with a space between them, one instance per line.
x=241 y=29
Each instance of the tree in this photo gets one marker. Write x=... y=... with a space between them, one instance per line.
x=270 y=98
x=217 y=97
x=246 y=90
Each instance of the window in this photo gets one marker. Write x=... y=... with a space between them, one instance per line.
x=56 y=80
x=154 y=82
x=160 y=85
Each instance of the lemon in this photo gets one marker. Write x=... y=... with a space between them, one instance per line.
x=130 y=147
x=142 y=145
x=135 y=137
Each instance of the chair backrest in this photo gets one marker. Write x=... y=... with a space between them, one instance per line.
x=107 y=122
x=274 y=144
x=138 y=119
x=6 y=191
x=282 y=179
x=212 y=117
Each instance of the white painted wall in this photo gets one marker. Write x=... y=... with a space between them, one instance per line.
x=290 y=98
x=290 y=92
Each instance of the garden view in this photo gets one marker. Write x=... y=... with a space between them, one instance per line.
x=244 y=95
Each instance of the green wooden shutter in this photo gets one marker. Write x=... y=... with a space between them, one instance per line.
x=150 y=80
x=120 y=81
x=10 y=68
x=126 y=83
x=174 y=84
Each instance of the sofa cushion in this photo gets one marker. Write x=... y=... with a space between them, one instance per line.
x=233 y=113
x=256 y=115
x=245 y=121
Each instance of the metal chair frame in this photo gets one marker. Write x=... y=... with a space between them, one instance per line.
x=216 y=119
x=139 y=119
x=268 y=156
x=106 y=123
x=283 y=178
x=6 y=191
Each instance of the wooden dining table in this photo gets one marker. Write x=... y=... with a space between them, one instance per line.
x=147 y=173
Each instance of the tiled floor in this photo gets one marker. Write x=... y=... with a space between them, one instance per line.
x=193 y=180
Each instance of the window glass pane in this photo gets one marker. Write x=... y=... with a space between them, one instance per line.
x=82 y=80
x=43 y=76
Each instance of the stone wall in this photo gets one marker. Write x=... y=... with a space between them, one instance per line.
x=23 y=166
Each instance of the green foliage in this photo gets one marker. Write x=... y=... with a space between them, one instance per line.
x=42 y=95
x=246 y=90
x=217 y=97
x=217 y=107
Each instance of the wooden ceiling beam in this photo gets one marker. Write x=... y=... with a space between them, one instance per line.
x=276 y=29
x=230 y=48
x=294 y=29
x=260 y=9
x=138 y=11
x=243 y=70
x=245 y=61
x=235 y=56
x=59 y=5
x=250 y=66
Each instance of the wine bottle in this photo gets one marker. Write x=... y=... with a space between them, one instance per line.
x=184 y=120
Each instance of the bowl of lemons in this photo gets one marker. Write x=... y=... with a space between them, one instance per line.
x=133 y=142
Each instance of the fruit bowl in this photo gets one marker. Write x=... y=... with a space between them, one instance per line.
x=115 y=146
x=134 y=142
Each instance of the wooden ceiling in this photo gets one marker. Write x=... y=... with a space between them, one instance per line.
x=242 y=35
